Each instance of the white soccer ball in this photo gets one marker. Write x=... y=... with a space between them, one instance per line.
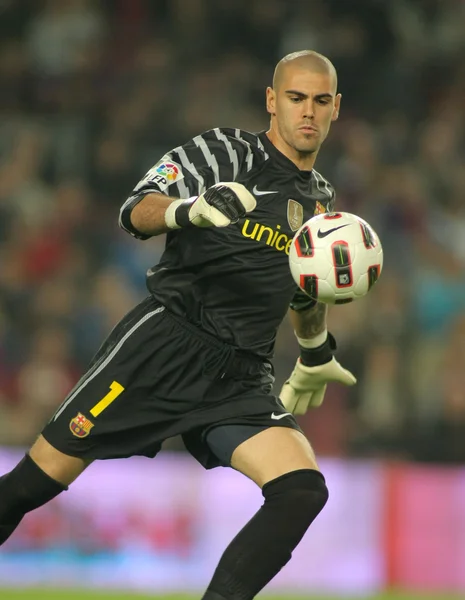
x=336 y=257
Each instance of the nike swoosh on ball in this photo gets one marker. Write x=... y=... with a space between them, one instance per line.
x=323 y=234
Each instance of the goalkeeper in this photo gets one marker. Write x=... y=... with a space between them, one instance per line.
x=194 y=358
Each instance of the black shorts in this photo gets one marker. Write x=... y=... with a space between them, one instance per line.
x=157 y=376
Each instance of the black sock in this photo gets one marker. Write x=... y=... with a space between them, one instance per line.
x=23 y=489
x=266 y=543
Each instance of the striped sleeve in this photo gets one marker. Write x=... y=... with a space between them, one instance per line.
x=301 y=301
x=188 y=170
x=332 y=202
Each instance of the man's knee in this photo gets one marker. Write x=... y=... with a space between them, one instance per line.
x=26 y=487
x=38 y=478
x=23 y=489
x=303 y=494
x=57 y=465
x=273 y=453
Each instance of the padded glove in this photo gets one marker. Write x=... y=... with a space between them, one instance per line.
x=306 y=386
x=219 y=206
x=314 y=369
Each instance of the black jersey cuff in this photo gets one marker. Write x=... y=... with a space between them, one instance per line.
x=125 y=217
x=302 y=301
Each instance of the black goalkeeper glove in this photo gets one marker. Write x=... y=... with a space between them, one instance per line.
x=219 y=206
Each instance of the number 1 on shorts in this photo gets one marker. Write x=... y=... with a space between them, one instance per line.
x=115 y=390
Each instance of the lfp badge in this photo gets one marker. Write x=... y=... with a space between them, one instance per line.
x=168 y=170
x=80 y=426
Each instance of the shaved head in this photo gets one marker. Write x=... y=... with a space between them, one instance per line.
x=302 y=104
x=305 y=59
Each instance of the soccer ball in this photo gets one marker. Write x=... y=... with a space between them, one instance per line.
x=336 y=257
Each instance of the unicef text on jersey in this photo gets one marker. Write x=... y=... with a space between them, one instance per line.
x=272 y=237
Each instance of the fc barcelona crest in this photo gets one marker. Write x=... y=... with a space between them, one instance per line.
x=80 y=426
x=295 y=214
x=319 y=208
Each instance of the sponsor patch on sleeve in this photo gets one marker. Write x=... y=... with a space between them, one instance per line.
x=163 y=174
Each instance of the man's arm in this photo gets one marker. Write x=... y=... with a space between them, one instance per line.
x=148 y=216
x=310 y=324
x=316 y=366
x=219 y=206
x=191 y=173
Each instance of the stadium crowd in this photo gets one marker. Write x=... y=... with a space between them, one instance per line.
x=95 y=92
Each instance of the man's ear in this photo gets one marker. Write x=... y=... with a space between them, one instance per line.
x=337 y=107
x=270 y=100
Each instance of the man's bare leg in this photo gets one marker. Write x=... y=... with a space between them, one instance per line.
x=61 y=467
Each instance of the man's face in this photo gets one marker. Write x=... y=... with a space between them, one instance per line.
x=303 y=106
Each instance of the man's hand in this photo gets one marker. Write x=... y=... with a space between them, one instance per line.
x=306 y=386
x=219 y=206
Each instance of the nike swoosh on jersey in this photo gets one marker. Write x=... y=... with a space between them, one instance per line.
x=276 y=417
x=323 y=234
x=152 y=271
x=258 y=192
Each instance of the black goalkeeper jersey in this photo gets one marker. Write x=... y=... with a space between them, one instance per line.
x=232 y=282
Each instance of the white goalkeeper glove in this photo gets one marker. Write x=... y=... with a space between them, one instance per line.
x=306 y=386
x=219 y=206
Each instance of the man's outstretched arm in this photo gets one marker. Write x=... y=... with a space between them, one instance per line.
x=311 y=323
x=316 y=365
x=219 y=206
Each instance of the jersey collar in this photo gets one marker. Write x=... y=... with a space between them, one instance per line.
x=280 y=158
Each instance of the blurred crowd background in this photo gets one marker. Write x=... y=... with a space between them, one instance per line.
x=94 y=92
